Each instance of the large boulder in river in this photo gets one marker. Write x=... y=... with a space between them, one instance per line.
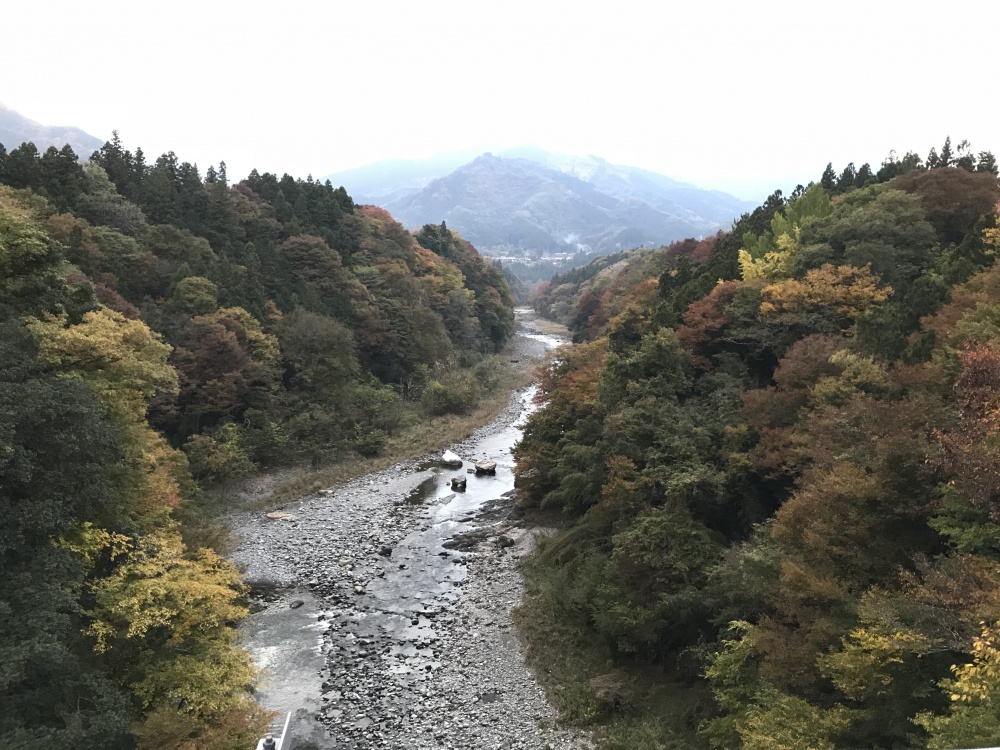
x=458 y=484
x=486 y=467
x=451 y=459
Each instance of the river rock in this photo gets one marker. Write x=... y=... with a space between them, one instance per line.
x=486 y=467
x=459 y=484
x=451 y=459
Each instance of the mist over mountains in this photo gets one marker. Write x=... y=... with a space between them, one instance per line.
x=529 y=201
x=16 y=129
x=384 y=181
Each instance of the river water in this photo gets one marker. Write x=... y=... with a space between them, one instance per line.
x=382 y=606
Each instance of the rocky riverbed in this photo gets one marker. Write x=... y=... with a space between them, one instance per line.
x=383 y=606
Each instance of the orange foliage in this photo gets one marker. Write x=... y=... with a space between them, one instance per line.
x=430 y=260
x=112 y=299
x=825 y=531
x=983 y=288
x=622 y=492
x=571 y=377
x=163 y=465
x=965 y=583
x=376 y=212
x=705 y=318
x=697 y=251
x=844 y=289
x=76 y=235
x=953 y=199
x=637 y=300
x=388 y=227
x=971 y=451
x=539 y=297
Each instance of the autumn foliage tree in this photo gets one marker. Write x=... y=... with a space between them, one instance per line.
x=122 y=622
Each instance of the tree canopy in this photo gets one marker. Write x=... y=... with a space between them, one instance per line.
x=777 y=455
x=156 y=328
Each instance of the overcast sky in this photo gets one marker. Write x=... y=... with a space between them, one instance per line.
x=738 y=95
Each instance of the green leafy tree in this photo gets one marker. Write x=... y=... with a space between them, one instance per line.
x=23 y=168
x=101 y=204
x=195 y=295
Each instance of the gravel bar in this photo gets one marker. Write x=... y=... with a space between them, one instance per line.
x=382 y=607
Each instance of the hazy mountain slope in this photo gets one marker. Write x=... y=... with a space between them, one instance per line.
x=16 y=129
x=499 y=203
x=385 y=181
x=631 y=183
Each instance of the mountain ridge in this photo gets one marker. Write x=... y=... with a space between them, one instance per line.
x=527 y=200
x=16 y=129
x=520 y=206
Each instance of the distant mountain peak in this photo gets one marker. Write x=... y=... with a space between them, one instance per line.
x=533 y=201
x=16 y=129
x=508 y=203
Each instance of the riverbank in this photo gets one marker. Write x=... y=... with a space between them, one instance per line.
x=383 y=605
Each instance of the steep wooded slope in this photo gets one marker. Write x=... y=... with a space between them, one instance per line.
x=778 y=470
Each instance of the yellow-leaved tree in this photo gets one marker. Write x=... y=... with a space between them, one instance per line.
x=974 y=718
x=846 y=290
x=162 y=615
x=122 y=359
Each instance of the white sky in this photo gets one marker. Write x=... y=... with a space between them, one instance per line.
x=735 y=94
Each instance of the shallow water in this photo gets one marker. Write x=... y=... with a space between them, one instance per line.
x=550 y=341
x=422 y=577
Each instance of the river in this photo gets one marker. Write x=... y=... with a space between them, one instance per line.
x=382 y=606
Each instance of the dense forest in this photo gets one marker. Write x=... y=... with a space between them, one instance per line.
x=161 y=328
x=773 y=455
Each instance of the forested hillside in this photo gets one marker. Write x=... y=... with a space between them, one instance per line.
x=157 y=323
x=774 y=454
